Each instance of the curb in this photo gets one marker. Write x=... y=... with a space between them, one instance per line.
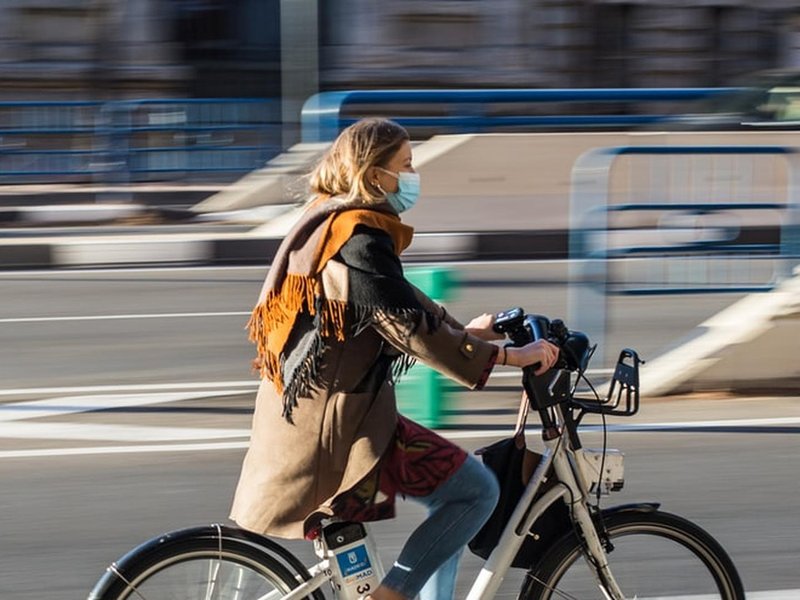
x=244 y=249
x=36 y=216
x=153 y=246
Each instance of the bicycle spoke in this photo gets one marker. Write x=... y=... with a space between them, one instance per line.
x=212 y=578
x=133 y=588
x=656 y=555
x=553 y=590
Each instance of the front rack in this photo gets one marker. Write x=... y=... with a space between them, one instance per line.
x=622 y=399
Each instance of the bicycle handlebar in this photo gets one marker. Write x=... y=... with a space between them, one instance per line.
x=575 y=351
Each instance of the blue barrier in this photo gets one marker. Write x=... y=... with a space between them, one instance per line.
x=592 y=251
x=136 y=140
x=323 y=115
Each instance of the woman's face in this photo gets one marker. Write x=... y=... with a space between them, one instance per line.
x=400 y=161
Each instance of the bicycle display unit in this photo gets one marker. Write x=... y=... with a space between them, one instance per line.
x=618 y=553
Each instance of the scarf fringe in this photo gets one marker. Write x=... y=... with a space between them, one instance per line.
x=298 y=294
x=400 y=366
x=304 y=377
x=333 y=319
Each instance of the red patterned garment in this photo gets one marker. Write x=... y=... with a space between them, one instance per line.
x=418 y=461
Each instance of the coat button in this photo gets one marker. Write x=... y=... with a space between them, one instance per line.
x=468 y=347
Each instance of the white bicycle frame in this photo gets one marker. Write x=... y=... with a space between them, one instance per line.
x=574 y=491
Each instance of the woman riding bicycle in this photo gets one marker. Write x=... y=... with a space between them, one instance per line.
x=335 y=324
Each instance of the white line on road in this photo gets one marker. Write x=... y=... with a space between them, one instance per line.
x=124 y=316
x=68 y=405
x=769 y=595
x=245 y=383
x=454 y=435
x=140 y=387
x=115 y=433
x=51 y=452
x=637 y=427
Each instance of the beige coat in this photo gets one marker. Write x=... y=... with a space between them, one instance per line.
x=292 y=472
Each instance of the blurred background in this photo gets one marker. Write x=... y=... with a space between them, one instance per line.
x=627 y=166
x=262 y=59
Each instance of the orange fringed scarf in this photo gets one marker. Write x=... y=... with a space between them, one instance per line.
x=294 y=286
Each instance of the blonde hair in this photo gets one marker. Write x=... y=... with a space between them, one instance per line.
x=342 y=171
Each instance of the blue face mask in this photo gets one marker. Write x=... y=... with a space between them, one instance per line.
x=408 y=185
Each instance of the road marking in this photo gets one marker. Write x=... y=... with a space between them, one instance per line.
x=136 y=387
x=13 y=414
x=767 y=595
x=220 y=446
x=245 y=383
x=67 y=405
x=124 y=316
x=115 y=433
x=53 y=452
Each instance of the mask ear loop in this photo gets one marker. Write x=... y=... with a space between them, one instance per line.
x=377 y=185
x=379 y=188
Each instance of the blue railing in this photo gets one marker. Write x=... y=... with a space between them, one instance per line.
x=141 y=140
x=326 y=114
x=136 y=140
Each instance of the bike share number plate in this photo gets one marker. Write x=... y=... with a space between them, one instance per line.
x=353 y=559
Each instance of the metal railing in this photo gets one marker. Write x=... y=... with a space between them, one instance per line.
x=698 y=220
x=136 y=140
x=324 y=115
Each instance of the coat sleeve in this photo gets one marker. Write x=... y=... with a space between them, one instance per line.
x=437 y=309
x=427 y=334
x=453 y=352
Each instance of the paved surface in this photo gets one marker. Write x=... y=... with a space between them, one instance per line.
x=114 y=429
x=126 y=401
x=72 y=502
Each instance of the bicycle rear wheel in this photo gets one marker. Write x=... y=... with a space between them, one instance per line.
x=196 y=566
x=656 y=555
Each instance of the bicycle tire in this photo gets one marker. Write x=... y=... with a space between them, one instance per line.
x=687 y=561
x=208 y=562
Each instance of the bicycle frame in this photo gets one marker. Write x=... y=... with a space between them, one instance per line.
x=552 y=398
x=572 y=489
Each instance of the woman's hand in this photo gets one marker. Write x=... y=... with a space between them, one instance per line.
x=540 y=351
x=481 y=327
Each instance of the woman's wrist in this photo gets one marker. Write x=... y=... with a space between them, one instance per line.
x=506 y=355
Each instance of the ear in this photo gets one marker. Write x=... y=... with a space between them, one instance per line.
x=372 y=175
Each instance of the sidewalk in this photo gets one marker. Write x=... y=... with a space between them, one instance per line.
x=495 y=409
x=129 y=234
x=189 y=420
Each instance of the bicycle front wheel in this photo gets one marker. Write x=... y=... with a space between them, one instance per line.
x=655 y=555
x=196 y=568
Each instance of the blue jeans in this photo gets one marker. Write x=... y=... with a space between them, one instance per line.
x=457 y=509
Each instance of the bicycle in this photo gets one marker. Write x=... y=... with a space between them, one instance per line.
x=598 y=554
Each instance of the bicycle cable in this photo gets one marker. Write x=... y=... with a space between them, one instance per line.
x=605 y=433
x=588 y=555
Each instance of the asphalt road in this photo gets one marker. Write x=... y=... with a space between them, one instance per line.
x=84 y=328
x=126 y=399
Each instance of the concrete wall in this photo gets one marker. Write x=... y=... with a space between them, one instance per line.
x=462 y=172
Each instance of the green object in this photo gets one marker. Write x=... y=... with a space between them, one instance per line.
x=422 y=393
x=437 y=282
